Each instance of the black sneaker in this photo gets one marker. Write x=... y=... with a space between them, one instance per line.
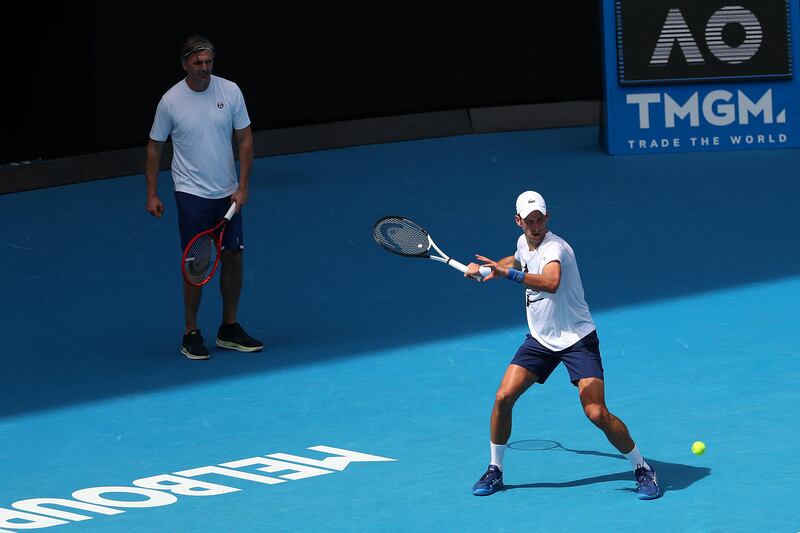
x=233 y=337
x=193 y=346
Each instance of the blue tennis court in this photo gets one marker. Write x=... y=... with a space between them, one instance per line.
x=369 y=408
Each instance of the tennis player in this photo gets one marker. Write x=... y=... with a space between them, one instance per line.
x=561 y=330
x=201 y=113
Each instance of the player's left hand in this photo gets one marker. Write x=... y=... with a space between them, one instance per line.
x=496 y=268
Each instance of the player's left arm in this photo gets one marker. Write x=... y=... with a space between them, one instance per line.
x=472 y=268
x=244 y=138
x=548 y=281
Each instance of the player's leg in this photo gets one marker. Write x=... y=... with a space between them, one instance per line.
x=532 y=362
x=585 y=367
x=592 y=394
x=515 y=382
x=586 y=372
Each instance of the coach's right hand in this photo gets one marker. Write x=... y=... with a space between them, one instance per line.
x=154 y=206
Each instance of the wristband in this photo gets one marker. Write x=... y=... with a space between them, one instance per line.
x=515 y=275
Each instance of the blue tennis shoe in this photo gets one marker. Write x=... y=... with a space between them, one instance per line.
x=647 y=480
x=489 y=483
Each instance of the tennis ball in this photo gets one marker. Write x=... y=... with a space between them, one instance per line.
x=698 y=448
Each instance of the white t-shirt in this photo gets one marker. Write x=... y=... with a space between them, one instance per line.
x=557 y=320
x=201 y=125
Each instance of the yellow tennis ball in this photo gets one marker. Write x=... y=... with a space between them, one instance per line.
x=698 y=448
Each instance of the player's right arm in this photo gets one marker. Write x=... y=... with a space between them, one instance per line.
x=152 y=162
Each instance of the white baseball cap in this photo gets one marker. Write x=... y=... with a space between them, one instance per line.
x=530 y=201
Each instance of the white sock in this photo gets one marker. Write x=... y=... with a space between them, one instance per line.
x=636 y=459
x=497 y=451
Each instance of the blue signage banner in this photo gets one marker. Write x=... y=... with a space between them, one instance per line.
x=700 y=75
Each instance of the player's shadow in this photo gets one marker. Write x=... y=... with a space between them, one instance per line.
x=672 y=476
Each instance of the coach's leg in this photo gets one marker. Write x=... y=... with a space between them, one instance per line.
x=592 y=394
x=515 y=382
x=191 y=304
x=231 y=284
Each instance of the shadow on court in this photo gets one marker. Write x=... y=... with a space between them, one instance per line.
x=672 y=476
x=91 y=297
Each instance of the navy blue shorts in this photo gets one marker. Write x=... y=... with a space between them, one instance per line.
x=582 y=359
x=196 y=214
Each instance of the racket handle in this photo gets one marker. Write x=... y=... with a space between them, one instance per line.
x=458 y=266
x=231 y=211
x=484 y=270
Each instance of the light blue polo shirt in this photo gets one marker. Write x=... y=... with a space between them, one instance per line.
x=201 y=125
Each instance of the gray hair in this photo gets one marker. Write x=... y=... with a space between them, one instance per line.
x=195 y=43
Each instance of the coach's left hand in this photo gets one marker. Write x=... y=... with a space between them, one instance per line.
x=240 y=197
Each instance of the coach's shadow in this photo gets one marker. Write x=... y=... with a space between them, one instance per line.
x=672 y=476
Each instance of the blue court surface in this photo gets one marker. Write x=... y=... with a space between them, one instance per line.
x=369 y=408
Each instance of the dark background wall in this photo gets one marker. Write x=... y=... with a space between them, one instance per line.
x=86 y=77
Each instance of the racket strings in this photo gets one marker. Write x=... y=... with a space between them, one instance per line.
x=200 y=258
x=401 y=236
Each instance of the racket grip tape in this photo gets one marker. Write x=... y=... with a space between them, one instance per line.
x=484 y=270
x=231 y=211
x=461 y=267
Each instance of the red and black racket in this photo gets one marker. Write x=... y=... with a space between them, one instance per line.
x=201 y=256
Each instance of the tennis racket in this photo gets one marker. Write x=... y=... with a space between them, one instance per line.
x=404 y=237
x=201 y=256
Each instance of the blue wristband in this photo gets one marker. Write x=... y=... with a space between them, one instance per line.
x=515 y=275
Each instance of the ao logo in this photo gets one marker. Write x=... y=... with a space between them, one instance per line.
x=676 y=31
